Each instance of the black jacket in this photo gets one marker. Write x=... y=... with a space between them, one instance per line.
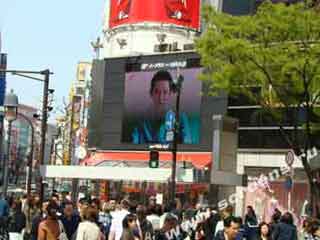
x=16 y=222
x=283 y=231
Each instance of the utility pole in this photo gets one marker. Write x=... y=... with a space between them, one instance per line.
x=176 y=137
x=44 y=120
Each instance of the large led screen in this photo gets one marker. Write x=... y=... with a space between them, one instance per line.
x=129 y=111
x=150 y=101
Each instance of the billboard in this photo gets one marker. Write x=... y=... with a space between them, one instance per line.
x=150 y=99
x=185 y=13
x=133 y=103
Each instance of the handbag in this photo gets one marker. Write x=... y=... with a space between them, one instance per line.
x=62 y=235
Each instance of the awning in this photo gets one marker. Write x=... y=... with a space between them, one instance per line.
x=199 y=160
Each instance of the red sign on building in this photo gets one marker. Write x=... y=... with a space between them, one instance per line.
x=179 y=12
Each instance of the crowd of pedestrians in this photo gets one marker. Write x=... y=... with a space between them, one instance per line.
x=91 y=219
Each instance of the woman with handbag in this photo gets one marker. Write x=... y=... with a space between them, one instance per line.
x=89 y=229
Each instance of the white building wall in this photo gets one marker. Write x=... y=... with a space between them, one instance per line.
x=140 y=39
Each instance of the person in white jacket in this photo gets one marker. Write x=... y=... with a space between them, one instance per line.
x=88 y=229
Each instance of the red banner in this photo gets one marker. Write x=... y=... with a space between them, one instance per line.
x=179 y=12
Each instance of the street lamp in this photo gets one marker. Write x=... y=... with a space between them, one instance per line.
x=46 y=91
x=10 y=111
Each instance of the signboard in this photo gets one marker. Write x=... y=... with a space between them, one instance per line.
x=183 y=13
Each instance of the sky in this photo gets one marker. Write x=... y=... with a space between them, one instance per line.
x=56 y=34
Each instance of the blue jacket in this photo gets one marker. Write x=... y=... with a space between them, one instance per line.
x=4 y=208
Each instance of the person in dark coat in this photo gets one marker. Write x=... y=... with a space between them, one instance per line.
x=70 y=219
x=231 y=229
x=285 y=230
x=17 y=219
x=251 y=224
x=210 y=225
x=4 y=234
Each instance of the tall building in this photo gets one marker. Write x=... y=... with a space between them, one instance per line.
x=146 y=27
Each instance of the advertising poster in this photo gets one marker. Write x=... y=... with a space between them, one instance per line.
x=149 y=99
x=179 y=12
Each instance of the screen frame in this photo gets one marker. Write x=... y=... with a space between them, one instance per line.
x=107 y=104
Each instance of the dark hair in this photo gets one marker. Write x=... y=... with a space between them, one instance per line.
x=125 y=204
x=315 y=225
x=66 y=203
x=161 y=75
x=276 y=216
x=287 y=218
x=129 y=218
x=18 y=205
x=264 y=224
x=55 y=195
x=227 y=221
x=52 y=205
x=141 y=210
x=96 y=202
x=91 y=214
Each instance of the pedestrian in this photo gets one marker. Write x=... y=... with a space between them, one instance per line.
x=285 y=230
x=50 y=228
x=117 y=219
x=16 y=220
x=200 y=231
x=315 y=230
x=130 y=228
x=41 y=216
x=264 y=232
x=210 y=223
x=305 y=233
x=155 y=211
x=105 y=219
x=4 y=209
x=171 y=230
x=4 y=234
x=89 y=229
x=275 y=219
x=31 y=209
x=251 y=223
x=70 y=219
x=144 y=224
x=231 y=229
x=227 y=212
x=83 y=204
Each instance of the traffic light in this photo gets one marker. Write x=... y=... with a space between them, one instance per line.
x=154 y=159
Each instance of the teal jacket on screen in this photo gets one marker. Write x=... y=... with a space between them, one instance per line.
x=145 y=133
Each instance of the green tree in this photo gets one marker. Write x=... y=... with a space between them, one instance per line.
x=277 y=50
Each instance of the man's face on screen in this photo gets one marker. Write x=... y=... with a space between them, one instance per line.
x=161 y=95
